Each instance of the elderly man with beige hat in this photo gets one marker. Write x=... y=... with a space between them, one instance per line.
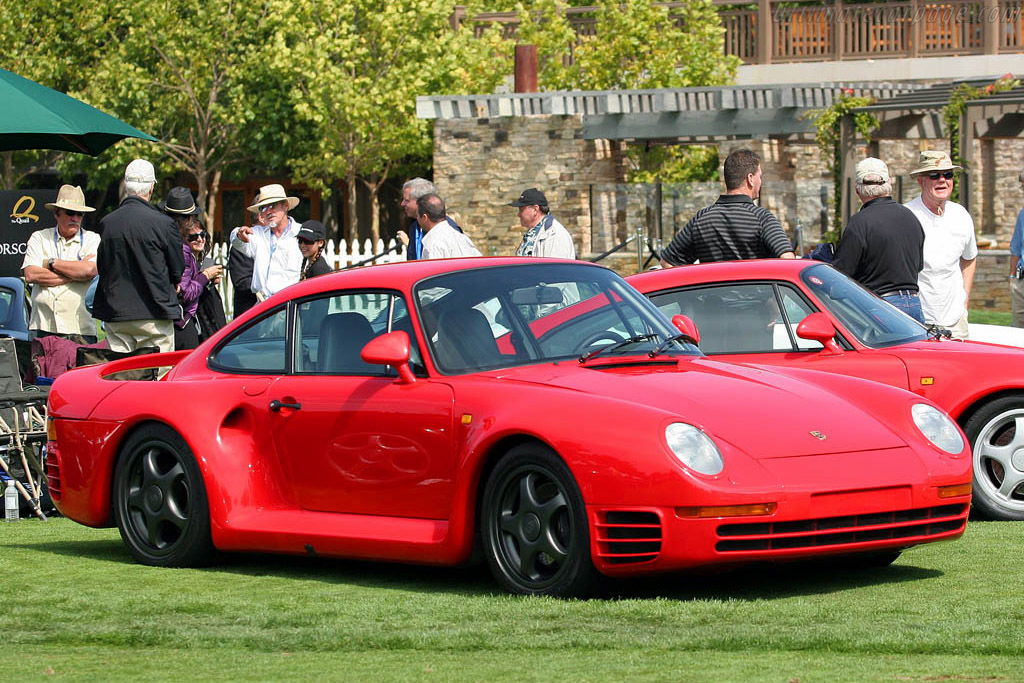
x=59 y=264
x=272 y=243
x=882 y=245
x=950 y=247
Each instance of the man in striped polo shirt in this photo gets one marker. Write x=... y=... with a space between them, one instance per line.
x=733 y=228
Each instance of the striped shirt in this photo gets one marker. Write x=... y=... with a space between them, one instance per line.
x=731 y=229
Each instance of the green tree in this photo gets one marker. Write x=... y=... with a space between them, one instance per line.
x=357 y=70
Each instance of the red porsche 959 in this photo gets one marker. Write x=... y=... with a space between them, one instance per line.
x=803 y=314
x=542 y=409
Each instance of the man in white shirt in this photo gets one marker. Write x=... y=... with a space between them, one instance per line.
x=60 y=263
x=272 y=244
x=440 y=239
x=950 y=247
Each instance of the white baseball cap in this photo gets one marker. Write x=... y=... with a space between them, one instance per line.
x=140 y=171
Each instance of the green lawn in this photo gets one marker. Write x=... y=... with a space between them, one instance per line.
x=76 y=607
x=987 y=317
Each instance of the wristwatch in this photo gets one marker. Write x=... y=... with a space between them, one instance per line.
x=49 y=264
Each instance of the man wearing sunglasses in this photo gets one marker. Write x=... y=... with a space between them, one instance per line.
x=950 y=248
x=59 y=264
x=272 y=243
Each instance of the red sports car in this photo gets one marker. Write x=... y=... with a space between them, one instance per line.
x=541 y=410
x=805 y=314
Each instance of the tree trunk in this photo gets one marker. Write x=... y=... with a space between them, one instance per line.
x=350 y=209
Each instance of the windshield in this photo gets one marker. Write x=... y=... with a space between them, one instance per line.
x=497 y=317
x=871 y=320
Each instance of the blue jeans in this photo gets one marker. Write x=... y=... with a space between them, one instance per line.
x=911 y=305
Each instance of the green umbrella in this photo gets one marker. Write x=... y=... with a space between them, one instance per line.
x=36 y=117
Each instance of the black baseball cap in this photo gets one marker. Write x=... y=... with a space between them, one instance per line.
x=531 y=197
x=313 y=231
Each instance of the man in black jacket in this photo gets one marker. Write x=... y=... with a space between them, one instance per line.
x=882 y=246
x=139 y=267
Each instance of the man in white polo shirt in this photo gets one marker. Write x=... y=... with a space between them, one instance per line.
x=950 y=247
x=59 y=264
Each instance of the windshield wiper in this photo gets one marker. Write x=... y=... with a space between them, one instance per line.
x=660 y=348
x=618 y=345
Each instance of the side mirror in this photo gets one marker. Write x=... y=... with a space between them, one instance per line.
x=390 y=349
x=817 y=327
x=685 y=325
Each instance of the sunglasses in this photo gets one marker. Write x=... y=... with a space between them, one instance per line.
x=72 y=213
x=948 y=175
x=269 y=207
x=196 y=236
x=303 y=240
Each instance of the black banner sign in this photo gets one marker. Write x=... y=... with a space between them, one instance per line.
x=22 y=212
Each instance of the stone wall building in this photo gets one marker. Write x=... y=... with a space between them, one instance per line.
x=488 y=149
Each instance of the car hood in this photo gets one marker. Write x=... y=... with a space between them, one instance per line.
x=765 y=413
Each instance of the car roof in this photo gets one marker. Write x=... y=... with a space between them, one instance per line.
x=769 y=269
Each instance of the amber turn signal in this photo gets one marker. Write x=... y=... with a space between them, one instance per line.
x=954 y=491
x=727 y=510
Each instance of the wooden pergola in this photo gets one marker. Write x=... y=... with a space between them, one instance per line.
x=917 y=114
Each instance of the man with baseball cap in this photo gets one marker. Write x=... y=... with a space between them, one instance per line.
x=882 y=246
x=272 y=244
x=140 y=263
x=1016 y=275
x=59 y=264
x=544 y=235
x=950 y=248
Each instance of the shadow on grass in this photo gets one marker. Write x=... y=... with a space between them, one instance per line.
x=747 y=582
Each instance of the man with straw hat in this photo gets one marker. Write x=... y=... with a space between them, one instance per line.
x=59 y=264
x=272 y=243
x=950 y=248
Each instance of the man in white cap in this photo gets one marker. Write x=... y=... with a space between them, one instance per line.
x=60 y=263
x=272 y=243
x=882 y=246
x=140 y=263
x=950 y=248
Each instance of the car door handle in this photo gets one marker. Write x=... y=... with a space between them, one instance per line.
x=276 y=405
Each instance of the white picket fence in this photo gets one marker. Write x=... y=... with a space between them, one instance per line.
x=340 y=255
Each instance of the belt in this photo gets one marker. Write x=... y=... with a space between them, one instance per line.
x=899 y=292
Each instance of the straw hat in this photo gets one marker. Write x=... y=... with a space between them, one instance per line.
x=271 y=194
x=72 y=198
x=933 y=161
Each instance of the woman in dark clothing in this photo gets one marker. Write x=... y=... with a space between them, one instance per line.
x=182 y=208
x=210 y=313
x=312 y=240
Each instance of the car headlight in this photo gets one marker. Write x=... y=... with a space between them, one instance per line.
x=694 y=448
x=937 y=428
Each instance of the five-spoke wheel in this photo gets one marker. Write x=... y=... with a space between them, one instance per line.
x=535 y=526
x=996 y=434
x=160 y=502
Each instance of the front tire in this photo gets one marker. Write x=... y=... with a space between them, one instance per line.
x=535 y=534
x=160 y=503
x=996 y=435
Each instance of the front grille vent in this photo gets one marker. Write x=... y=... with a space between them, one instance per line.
x=813 y=533
x=628 y=536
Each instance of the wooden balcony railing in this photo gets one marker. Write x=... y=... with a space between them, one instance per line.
x=838 y=29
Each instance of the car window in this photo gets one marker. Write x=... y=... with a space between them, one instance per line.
x=742 y=318
x=258 y=348
x=332 y=330
x=496 y=317
x=873 y=321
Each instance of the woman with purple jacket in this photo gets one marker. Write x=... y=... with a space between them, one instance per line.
x=180 y=206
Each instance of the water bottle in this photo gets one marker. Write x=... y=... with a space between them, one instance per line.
x=12 y=509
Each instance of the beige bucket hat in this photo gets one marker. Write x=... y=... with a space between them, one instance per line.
x=933 y=161
x=271 y=194
x=72 y=198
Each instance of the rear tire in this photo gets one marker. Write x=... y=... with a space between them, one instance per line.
x=160 y=503
x=996 y=435
x=535 y=533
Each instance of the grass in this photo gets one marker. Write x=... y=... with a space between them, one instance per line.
x=985 y=316
x=76 y=606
